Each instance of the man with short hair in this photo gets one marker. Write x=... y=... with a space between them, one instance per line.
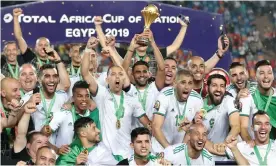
x=116 y=107
x=263 y=98
x=170 y=71
x=87 y=148
x=219 y=112
x=264 y=150
x=11 y=67
x=193 y=152
x=144 y=91
x=199 y=68
x=141 y=145
x=63 y=120
x=173 y=107
x=51 y=99
x=39 y=58
x=44 y=156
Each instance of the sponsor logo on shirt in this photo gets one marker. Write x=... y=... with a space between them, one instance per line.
x=252 y=153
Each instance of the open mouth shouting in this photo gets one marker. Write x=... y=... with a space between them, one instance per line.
x=240 y=84
x=266 y=83
x=51 y=87
x=263 y=134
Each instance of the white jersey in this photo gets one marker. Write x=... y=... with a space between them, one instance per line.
x=101 y=155
x=118 y=140
x=152 y=162
x=152 y=93
x=177 y=155
x=39 y=117
x=101 y=79
x=248 y=152
x=62 y=123
x=168 y=106
x=217 y=121
x=233 y=90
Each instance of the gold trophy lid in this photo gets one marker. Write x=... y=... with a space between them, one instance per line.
x=151 y=8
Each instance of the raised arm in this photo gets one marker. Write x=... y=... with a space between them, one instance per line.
x=93 y=86
x=17 y=30
x=98 y=26
x=157 y=123
x=212 y=62
x=21 y=140
x=108 y=51
x=130 y=51
x=179 y=38
x=160 y=76
x=232 y=145
x=64 y=83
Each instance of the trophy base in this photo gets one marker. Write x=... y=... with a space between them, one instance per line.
x=143 y=41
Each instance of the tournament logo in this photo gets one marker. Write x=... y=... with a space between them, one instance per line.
x=157 y=105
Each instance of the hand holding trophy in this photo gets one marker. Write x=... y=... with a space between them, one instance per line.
x=149 y=13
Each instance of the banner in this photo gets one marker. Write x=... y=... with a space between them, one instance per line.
x=72 y=22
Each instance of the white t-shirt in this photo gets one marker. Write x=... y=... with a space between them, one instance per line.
x=169 y=107
x=249 y=153
x=26 y=97
x=217 y=121
x=152 y=93
x=101 y=155
x=176 y=154
x=118 y=140
x=39 y=117
x=62 y=123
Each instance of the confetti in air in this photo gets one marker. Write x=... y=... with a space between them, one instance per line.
x=30 y=33
x=169 y=29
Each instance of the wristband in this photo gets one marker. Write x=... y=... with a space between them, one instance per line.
x=219 y=56
x=130 y=50
x=57 y=62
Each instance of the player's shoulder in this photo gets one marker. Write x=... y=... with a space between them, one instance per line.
x=230 y=87
x=206 y=154
x=195 y=95
x=167 y=91
x=61 y=92
x=179 y=148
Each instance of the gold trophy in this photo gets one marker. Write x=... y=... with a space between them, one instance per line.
x=149 y=13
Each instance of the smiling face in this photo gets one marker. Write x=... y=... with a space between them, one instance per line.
x=141 y=75
x=42 y=43
x=81 y=98
x=198 y=137
x=184 y=86
x=261 y=127
x=45 y=156
x=216 y=90
x=38 y=141
x=239 y=77
x=265 y=77
x=27 y=77
x=142 y=145
x=170 y=71
x=49 y=80
x=11 y=52
x=197 y=67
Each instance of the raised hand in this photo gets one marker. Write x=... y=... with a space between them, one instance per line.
x=98 y=20
x=14 y=105
x=36 y=98
x=55 y=56
x=92 y=42
x=17 y=12
x=226 y=41
x=30 y=107
x=232 y=142
x=110 y=41
x=185 y=125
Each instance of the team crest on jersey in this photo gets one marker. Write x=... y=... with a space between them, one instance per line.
x=157 y=105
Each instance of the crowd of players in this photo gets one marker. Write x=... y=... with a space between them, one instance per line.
x=55 y=115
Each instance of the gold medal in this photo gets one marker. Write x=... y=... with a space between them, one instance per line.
x=85 y=152
x=202 y=112
x=48 y=129
x=118 y=124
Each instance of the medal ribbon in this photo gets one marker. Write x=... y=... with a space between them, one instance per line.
x=14 y=74
x=188 y=160
x=144 y=99
x=269 y=100
x=261 y=161
x=3 y=109
x=119 y=109
x=73 y=111
x=42 y=63
x=47 y=111
x=206 y=106
x=22 y=93
x=73 y=72
x=181 y=116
